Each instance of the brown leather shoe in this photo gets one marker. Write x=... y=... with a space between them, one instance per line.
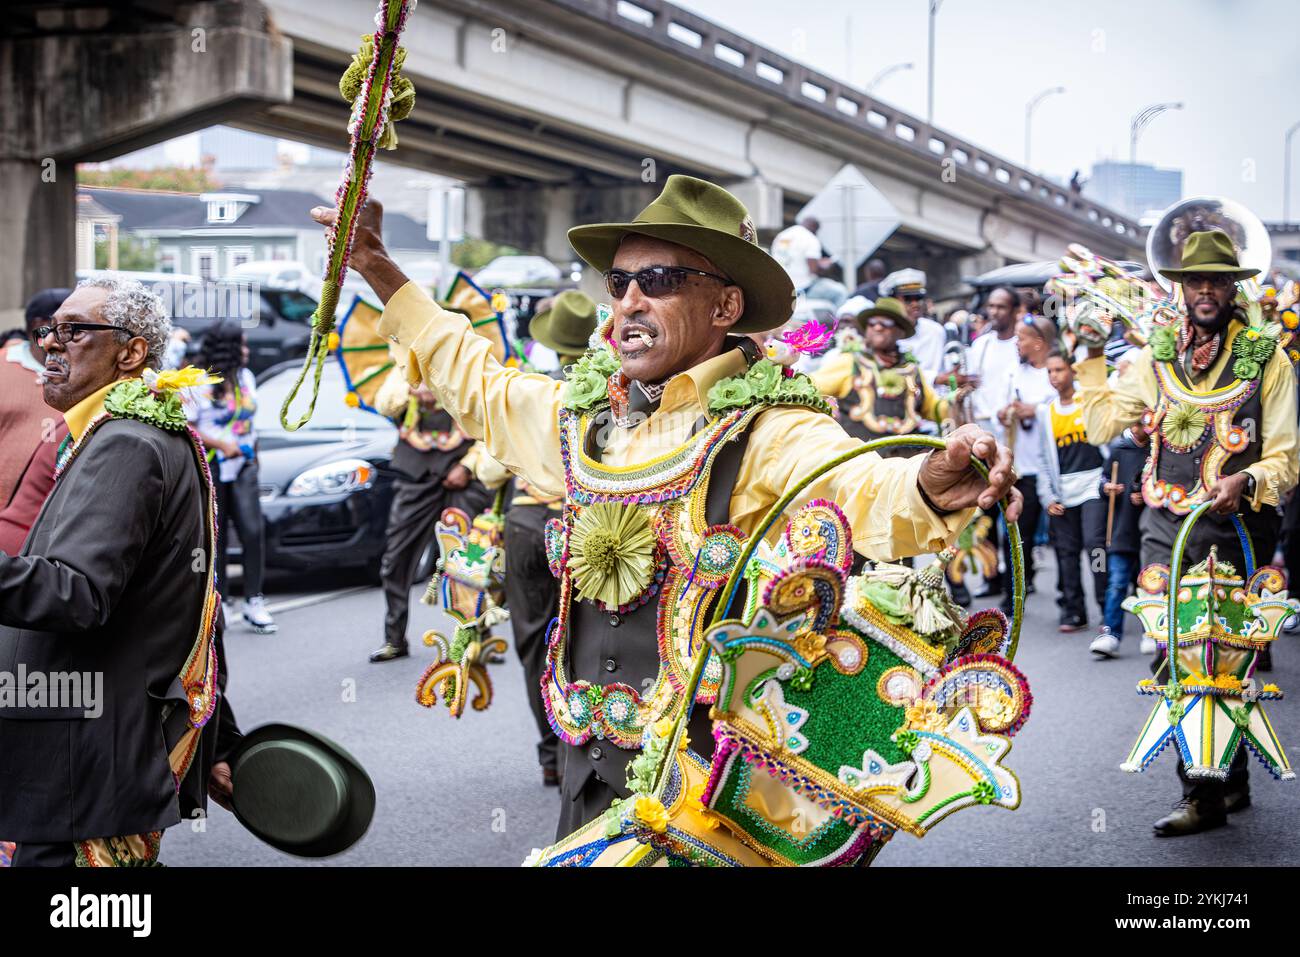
x=1190 y=817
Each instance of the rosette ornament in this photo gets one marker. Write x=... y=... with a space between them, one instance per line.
x=612 y=553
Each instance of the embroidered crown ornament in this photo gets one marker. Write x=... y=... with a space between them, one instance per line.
x=1211 y=622
x=848 y=709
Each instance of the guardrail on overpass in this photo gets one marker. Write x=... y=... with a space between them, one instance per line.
x=686 y=34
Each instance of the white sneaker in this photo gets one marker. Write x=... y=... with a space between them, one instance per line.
x=1148 y=646
x=1105 y=645
x=257 y=617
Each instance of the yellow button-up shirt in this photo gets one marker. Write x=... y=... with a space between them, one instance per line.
x=1107 y=412
x=516 y=416
x=84 y=412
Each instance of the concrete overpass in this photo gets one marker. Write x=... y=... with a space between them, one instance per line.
x=555 y=111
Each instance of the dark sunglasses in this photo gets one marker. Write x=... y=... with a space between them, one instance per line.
x=1216 y=280
x=65 y=332
x=655 y=281
x=876 y=322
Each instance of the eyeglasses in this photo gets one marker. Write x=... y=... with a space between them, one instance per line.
x=66 y=332
x=875 y=322
x=1216 y=280
x=655 y=281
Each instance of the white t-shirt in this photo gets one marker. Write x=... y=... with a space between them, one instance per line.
x=927 y=345
x=792 y=248
x=1031 y=386
x=995 y=361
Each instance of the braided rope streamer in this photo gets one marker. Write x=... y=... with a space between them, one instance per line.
x=378 y=102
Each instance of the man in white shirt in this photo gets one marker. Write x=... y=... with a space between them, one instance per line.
x=799 y=252
x=994 y=358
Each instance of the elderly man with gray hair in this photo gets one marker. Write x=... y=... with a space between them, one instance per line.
x=109 y=705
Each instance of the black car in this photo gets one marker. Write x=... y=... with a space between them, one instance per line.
x=326 y=488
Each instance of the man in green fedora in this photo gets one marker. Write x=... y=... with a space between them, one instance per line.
x=671 y=430
x=1216 y=396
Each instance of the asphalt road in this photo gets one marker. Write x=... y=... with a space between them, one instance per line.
x=469 y=792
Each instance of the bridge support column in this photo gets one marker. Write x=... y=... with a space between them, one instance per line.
x=124 y=84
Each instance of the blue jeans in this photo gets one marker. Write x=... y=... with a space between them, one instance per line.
x=1120 y=567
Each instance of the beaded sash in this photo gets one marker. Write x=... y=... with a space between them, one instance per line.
x=671 y=491
x=1197 y=412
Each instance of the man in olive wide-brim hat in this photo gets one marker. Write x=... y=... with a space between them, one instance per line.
x=1191 y=374
x=685 y=277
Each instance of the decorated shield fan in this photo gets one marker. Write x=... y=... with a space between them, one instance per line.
x=1211 y=622
x=469 y=584
x=849 y=708
x=362 y=354
x=365 y=356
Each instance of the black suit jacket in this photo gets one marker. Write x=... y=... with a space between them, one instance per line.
x=111 y=580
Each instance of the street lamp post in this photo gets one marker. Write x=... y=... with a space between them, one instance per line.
x=1286 y=174
x=1029 y=117
x=1141 y=121
x=886 y=72
x=929 y=89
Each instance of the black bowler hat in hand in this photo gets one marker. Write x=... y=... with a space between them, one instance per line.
x=300 y=792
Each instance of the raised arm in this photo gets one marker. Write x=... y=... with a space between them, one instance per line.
x=514 y=414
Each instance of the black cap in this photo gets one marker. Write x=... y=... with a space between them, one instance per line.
x=45 y=304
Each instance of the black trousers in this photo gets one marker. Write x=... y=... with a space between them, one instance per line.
x=238 y=501
x=417 y=505
x=1080 y=531
x=533 y=596
x=1028 y=524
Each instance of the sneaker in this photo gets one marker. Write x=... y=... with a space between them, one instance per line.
x=1148 y=646
x=257 y=617
x=1105 y=645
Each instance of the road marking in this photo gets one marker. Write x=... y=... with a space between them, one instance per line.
x=316 y=599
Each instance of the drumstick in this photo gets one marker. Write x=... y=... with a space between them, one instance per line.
x=1110 y=511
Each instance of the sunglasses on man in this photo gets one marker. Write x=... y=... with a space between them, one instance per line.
x=1216 y=280
x=66 y=332
x=655 y=281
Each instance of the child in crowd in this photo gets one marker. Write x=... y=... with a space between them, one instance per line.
x=1127 y=458
x=1069 y=484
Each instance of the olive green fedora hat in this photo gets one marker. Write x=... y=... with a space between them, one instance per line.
x=1209 y=251
x=890 y=308
x=707 y=219
x=299 y=791
x=567 y=326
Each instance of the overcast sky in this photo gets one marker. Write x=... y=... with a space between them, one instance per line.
x=1234 y=63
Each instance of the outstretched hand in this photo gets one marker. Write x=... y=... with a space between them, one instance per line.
x=951 y=482
x=369 y=257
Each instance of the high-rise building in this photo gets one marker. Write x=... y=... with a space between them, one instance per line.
x=1134 y=188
